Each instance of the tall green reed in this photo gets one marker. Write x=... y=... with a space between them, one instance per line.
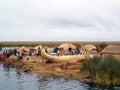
x=102 y=72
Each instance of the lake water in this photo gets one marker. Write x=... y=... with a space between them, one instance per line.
x=13 y=79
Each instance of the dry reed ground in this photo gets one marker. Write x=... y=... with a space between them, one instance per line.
x=34 y=65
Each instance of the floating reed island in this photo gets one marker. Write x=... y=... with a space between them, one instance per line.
x=98 y=70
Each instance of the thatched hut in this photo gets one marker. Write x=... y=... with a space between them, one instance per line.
x=66 y=46
x=111 y=50
x=91 y=49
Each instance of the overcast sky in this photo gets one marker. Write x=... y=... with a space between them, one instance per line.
x=59 y=20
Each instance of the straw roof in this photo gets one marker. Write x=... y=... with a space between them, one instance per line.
x=66 y=46
x=23 y=47
x=90 y=47
x=111 y=49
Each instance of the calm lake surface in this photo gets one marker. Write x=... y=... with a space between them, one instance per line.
x=13 y=79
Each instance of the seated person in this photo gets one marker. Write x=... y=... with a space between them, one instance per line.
x=70 y=52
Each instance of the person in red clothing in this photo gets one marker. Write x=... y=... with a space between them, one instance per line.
x=30 y=52
x=5 y=53
x=23 y=52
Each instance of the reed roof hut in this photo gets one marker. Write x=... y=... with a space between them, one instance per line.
x=66 y=46
x=89 y=47
x=111 y=50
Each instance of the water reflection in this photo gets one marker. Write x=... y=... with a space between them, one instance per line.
x=13 y=79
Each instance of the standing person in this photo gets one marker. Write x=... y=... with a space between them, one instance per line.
x=77 y=51
x=15 y=51
x=23 y=52
x=58 y=52
x=17 y=56
x=39 y=52
x=5 y=53
x=70 y=52
x=21 y=57
x=81 y=52
x=8 y=53
x=30 y=52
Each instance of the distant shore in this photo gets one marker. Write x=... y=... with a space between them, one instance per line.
x=55 y=42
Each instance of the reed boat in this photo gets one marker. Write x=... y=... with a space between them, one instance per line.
x=70 y=58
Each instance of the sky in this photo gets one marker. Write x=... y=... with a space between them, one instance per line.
x=59 y=20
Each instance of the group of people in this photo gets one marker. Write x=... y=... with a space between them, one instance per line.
x=69 y=52
x=20 y=54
